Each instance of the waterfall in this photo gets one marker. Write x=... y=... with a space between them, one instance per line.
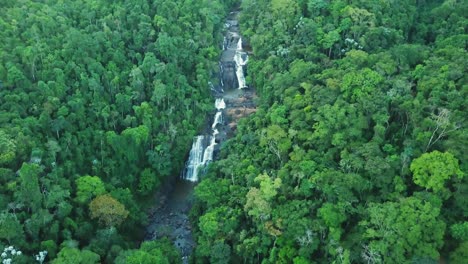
x=220 y=104
x=208 y=154
x=173 y=213
x=218 y=119
x=199 y=155
x=195 y=160
x=239 y=44
x=203 y=147
x=221 y=73
x=240 y=63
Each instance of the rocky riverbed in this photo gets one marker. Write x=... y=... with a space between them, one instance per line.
x=169 y=218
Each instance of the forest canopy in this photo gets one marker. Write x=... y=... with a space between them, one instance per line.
x=357 y=153
x=99 y=101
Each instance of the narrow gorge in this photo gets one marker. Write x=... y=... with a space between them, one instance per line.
x=234 y=99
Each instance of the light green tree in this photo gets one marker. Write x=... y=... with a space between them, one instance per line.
x=432 y=170
x=258 y=199
x=75 y=256
x=88 y=187
x=7 y=148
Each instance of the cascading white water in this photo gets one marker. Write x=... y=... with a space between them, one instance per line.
x=239 y=44
x=195 y=160
x=240 y=63
x=208 y=154
x=218 y=119
x=221 y=71
x=220 y=104
x=199 y=155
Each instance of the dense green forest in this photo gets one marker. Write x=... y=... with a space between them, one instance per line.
x=99 y=101
x=358 y=151
x=356 y=154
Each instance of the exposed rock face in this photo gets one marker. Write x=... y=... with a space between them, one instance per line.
x=239 y=104
x=228 y=75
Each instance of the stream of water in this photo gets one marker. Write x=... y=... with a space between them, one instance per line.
x=170 y=218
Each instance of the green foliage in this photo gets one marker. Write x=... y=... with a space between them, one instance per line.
x=10 y=228
x=407 y=229
x=88 y=187
x=220 y=253
x=432 y=170
x=460 y=231
x=158 y=251
x=147 y=182
x=331 y=215
x=459 y=255
x=97 y=97
x=73 y=255
x=258 y=200
x=7 y=148
x=361 y=107
x=107 y=210
x=50 y=247
x=29 y=191
x=355 y=98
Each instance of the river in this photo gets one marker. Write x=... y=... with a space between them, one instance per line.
x=233 y=100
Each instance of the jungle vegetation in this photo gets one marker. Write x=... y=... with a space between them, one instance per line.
x=356 y=154
x=358 y=151
x=99 y=101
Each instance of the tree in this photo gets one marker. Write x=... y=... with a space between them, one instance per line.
x=7 y=149
x=88 y=187
x=29 y=192
x=275 y=138
x=210 y=191
x=460 y=231
x=333 y=216
x=51 y=247
x=145 y=257
x=38 y=221
x=148 y=181
x=10 y=228
x=75 y=256
x=101 y=90
x=157 y=251
x=460 y=254
x=107 y=210
x=258 y=200
x=432 y=170
x=399 y=231
x=220 y=253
